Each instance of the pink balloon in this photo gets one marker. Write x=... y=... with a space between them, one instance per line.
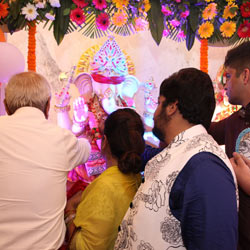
x=11 y=61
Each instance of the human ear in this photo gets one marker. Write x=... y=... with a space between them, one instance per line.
x=104 y=143
x=246 y=75
x=171 y=108
x=6 y=107
x=47 y=108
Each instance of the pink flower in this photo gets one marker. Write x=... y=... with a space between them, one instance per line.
x=165 y=33
x=140 y=24
x=100 y=4
x=175 y=23
x=81 y=3
x=102 y=21
x=185 y=14
x=77 y=16
x=177 y=1
x=165 y=11
x=181 y=35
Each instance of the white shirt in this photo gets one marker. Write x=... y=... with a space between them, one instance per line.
x=35 y=157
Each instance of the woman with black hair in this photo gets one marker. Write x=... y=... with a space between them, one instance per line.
x=105 y=201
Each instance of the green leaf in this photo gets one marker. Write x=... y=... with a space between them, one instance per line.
x=190 y=37
x=61 y=23
x=155 y=18
x=193 y=18
x=233 y=10
x=66 y=11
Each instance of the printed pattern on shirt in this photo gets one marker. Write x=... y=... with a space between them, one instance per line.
x=153 y=196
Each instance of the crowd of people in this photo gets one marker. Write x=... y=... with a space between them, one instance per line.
x=192 y=195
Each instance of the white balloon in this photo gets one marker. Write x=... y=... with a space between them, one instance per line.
x=11 y=61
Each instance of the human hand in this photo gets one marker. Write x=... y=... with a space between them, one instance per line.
x=241 y=167
x=62 y=98
x=80 y=110
x=73 y=202
x=239 y=161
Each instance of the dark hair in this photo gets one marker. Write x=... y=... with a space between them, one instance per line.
x=238 y=57
x=124 y=131
x=193 y=89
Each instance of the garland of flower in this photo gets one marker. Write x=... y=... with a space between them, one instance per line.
x=2 y=39
x=32 y=47
x=2 y=36
x=204 y=55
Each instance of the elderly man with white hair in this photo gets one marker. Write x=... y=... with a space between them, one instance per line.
x=35 y=157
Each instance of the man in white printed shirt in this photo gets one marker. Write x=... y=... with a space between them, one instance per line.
x=188 y=199
x=35 y=157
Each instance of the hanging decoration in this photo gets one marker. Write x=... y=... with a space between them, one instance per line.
x=225 y=21
x=2 y=36
x=204 y=55
x=32 y=47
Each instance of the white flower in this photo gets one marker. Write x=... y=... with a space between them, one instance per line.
x=50 y=16
x=30 y=12
x=55 y=3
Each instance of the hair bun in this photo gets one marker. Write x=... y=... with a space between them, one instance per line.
x=130 y=162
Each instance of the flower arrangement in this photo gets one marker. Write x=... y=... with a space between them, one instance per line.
x=226 y=21
x=181 y=20
x=93 y=18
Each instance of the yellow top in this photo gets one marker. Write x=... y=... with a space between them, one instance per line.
x=102 y=208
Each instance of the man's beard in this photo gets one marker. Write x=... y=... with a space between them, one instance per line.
x=157 y=131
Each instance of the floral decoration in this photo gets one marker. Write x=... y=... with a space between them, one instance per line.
x=226 y=21
x=102 y=21
x=77 y=16
x=3 y=9
x=119 y=19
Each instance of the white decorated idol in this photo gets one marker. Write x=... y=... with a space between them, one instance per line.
x=105 y=83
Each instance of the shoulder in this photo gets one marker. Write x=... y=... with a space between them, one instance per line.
x=205 y=166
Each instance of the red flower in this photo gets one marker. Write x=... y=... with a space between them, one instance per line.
x=3 y=9
x=100 y=4
x=245 y=9
x=102 y=21
x=81 y=3
x=244 y=30
x=77 y=16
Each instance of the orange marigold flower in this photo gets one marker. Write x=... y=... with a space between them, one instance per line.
x=228 y=28
x=230 y=11
x=119 y=19
x=3 y=9
x=120 y=3
x=206 y=30
x=147 y=5
x=210 y=11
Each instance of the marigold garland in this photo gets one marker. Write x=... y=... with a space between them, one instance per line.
x=204 y=55
x=2 y=36
x=32 y=47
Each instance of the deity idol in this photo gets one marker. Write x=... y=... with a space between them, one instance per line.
x=105 y=88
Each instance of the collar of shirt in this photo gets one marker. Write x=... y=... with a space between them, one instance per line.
x=244 y=113
x=30 y=111
x=186 y=135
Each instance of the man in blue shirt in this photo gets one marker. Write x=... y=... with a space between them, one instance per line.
x=188 y=199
